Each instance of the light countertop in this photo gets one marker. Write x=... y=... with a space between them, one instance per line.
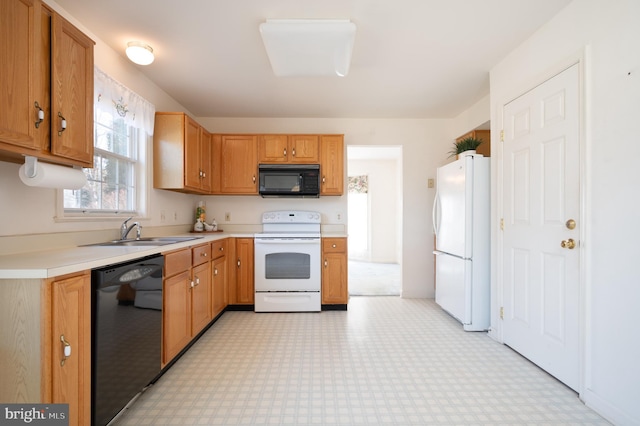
x=56 y=262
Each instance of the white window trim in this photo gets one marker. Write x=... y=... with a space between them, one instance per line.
x=143 y=190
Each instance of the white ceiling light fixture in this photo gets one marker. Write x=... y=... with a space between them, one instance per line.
x=309 y=47
x=139 y=53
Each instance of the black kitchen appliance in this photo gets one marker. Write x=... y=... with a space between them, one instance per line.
x=126 y=333
x=289 y=180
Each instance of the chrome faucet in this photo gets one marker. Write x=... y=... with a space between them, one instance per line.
x=124 y=230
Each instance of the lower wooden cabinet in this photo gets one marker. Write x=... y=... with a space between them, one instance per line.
x=187 y=297
x=201 y=288
x=245 y=289
x=176 y=315
x=219 y=281
x=334 y=271
x=46 y=343
x=220 y=295
x=66 y=361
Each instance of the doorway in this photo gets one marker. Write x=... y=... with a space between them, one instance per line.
x=374 y=220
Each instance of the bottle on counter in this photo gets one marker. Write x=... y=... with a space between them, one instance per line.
x=214 y=224
x=198 y=226
x=200 y=212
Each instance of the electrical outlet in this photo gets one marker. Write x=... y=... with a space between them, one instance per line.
x=163 y=216
x=175 y=216
x=339 y=216
x=227 y=217
x=430 y=183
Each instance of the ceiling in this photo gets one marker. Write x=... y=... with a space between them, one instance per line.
x=411 y=58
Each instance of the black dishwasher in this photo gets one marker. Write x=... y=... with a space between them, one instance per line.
x=126 y=333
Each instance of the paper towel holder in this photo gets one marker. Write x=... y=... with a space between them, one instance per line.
x=30 y=165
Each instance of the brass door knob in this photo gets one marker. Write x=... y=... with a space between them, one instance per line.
x=568 y=244
x=571 y=224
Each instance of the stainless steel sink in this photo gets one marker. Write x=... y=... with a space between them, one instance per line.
x=147 y=241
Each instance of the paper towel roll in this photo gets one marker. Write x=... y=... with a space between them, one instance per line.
x=53 y=176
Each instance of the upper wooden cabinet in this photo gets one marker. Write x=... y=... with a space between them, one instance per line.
x=294 y=149
x=181 y=154
x=238 y=164
x=46 y=86
x=331 y=164
x=189 y=159
x=484 y=136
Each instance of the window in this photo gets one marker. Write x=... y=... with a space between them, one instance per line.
x=123 y=125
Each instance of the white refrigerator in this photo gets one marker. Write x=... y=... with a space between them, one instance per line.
x=462 y=229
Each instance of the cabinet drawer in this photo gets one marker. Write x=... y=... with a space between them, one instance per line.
x=334 y=245
x=219 y=248
x=176 y=262
x=201 y=254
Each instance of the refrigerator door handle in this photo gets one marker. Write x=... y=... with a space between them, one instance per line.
x=434 y=213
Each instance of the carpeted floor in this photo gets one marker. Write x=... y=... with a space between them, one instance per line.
x=374 y=279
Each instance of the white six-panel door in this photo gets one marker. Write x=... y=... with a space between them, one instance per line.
x=541 y=196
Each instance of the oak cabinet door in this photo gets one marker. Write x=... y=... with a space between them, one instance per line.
x=176 y=314
x=332 y=165
x=19 y=24
x=71 y=92
x=245 y=290
x=303 y=149
x=334 y=271
x=71 y=346
x=219 y=293
x=239 y=164
x=200 y=297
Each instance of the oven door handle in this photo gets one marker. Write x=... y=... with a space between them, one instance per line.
x=287 y=241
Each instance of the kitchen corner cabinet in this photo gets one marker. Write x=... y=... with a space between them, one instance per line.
x=219 y=282
x=294 y=149
x=181 y=154
x=484 y=136
x=186 y=297
x=244 y=289
x=334 y=271
x=46 y=87
x=332 y=164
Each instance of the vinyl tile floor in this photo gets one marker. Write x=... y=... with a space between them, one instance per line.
x=384 y=361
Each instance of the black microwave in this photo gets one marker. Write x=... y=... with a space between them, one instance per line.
x=289 y=180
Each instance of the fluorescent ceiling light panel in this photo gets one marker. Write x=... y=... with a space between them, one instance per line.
x=309 y=47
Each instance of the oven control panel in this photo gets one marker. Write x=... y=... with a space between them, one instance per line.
x=291 y=216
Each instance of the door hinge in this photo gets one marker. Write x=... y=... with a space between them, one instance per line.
x=502 y=224
x=501 y=313
x=501 y=135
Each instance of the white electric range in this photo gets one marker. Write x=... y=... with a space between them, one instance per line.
x=287 y=262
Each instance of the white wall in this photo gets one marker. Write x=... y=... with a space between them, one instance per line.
x=470 y=119
x=606 y=34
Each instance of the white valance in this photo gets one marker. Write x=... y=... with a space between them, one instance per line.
x=113 y=98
